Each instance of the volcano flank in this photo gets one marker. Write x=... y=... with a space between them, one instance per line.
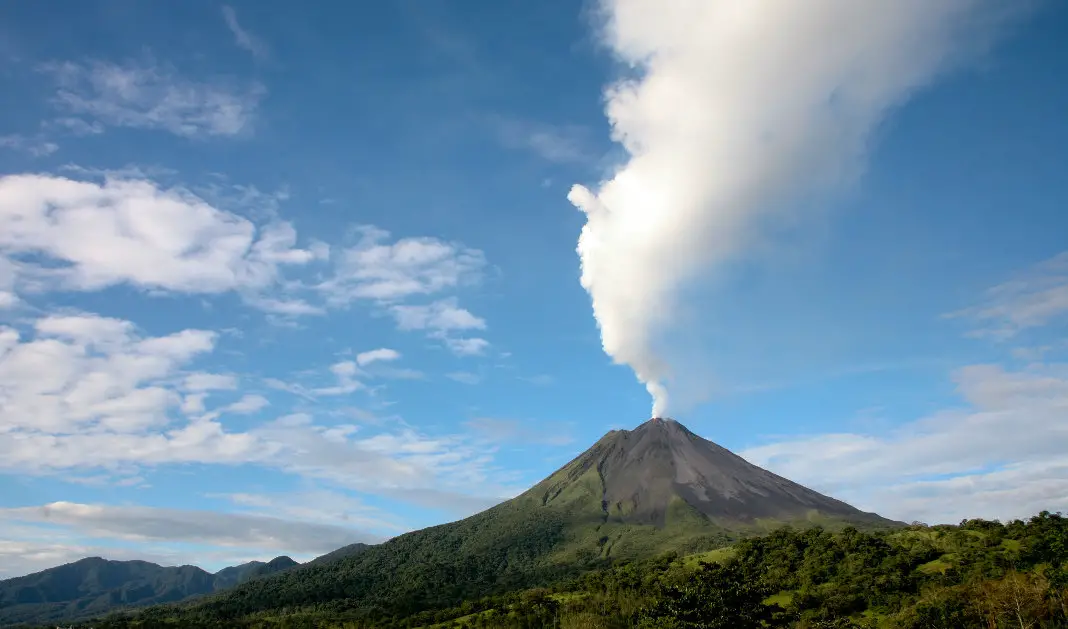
x=634 y=494
x=644 y=471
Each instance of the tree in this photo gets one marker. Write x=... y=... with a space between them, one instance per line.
x=717 y=597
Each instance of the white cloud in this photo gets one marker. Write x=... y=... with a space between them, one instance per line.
x=390 y=272
x=76 y=126
x=732 y=112
x=1012 y=431
x=284 y=307
x=1015 y=491
x=317 y=505
x=249 y=403
x=84 y=372
x=345 y=371
x=203 y=381
x=36 y=147
x=467 y=346
x=440 y=316
x=149 y=96
x=131 y=231
x=1039 y=296
x=242 y=37
x=58 y=233
x=199 y=527
x=377 y=355
x=89 y=330
x=88 y=396
x=442 y=319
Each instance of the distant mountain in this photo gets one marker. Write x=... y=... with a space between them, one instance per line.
x=633 y=494
x=95 y=586
x=229 y=577
x=340 y=553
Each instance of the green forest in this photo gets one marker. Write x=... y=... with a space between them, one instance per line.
x=979 y=573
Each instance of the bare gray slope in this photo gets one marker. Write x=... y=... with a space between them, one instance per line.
x=642 y=470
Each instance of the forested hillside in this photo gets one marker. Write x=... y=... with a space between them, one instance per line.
x=978 y=574
x=96 y=586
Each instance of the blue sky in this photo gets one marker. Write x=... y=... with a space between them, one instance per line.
x=275 y=279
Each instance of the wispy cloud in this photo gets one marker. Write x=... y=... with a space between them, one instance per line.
x=561 y=144
x=36 y=146
x=91 y=394
x=1011 y=427
x=1035 y=298
x=242 y=37
x=146 y=95
x=200 y=527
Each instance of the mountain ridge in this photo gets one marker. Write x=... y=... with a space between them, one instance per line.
x=95 y=585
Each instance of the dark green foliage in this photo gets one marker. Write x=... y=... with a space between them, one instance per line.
x=717 y=597
x=978 y=574
x=229 y=577
x=94 y=586
x=340 y=553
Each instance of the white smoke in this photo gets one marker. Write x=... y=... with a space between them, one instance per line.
x=739 y=107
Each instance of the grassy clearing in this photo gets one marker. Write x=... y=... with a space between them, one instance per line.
x=718 y=555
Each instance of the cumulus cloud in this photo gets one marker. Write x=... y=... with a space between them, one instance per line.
x=440 y=316
x=242 y=37
x=129 y=231
x=733 y=112
x=146 y=95
x=472 y=346
x=84 y=372
x=1003 y=452
x=442 y=320
x=377 y=355
x=83 y=393
x=345 y=371
x=388 y=272
x=111 y=228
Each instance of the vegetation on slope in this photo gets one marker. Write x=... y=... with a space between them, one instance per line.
x=978 y=574
x=556 y=530
x=95 y=586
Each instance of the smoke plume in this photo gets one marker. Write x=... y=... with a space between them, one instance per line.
x=737 y=108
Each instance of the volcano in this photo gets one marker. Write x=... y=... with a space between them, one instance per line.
x=634 y=494
x=646 y=472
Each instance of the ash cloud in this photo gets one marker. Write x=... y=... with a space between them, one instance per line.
x=734 y=112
